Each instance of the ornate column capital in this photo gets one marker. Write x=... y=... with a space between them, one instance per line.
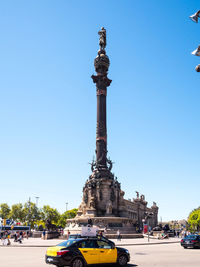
x=101 y=80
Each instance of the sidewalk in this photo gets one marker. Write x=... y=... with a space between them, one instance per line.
x=37 y=242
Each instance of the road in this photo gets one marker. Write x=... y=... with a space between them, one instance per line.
x=163 y=255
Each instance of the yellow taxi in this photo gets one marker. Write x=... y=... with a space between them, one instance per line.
x=85 y=251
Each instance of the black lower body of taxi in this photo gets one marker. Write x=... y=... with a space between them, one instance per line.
x=64 y=257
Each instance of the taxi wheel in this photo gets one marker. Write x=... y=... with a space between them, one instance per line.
x=77 y=263
x=122 y=260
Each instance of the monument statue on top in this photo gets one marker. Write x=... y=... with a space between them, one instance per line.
x=102 y=38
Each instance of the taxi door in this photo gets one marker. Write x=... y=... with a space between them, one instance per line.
x=90 y=251
x=107 y=254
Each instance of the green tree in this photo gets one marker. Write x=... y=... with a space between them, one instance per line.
x=32 y=213
x=50 y=214
x=17 y=212
x=67 y=215
x=4 y=211
x=194 y=220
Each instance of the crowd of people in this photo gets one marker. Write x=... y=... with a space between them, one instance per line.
x=176 y=233
x=18 y=237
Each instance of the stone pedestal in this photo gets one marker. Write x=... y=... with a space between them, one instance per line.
x=101 y=197
x=109 y=225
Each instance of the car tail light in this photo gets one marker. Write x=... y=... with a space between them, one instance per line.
x=181 y=240
x=62 y=252
x=194 y=241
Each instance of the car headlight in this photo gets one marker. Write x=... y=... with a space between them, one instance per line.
x=126 y=250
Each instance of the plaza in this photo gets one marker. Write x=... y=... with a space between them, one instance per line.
x=100 y=128
x=143 y=254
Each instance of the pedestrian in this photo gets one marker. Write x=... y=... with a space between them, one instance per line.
x=61 y=232
x=27 y=234
x=43 y=234
x=105 y=231
x=21 y=235
x=118 y=235
x=68 y=234
x=3 y=239
x=178 y=233
x=15 y=237
x=8 y=239
x=174 y=231
x=19 y=238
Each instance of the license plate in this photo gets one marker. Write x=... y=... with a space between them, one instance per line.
x=49 y=259
x=188 y=242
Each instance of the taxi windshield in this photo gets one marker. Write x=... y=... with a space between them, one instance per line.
x=67 y=243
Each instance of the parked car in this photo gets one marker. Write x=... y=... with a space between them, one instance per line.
x=191 y=241
x=82 y=251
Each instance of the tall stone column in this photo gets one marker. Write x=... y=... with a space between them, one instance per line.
x=101 y=80
x=101 y=193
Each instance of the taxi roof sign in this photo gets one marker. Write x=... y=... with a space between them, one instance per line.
x=89 y=231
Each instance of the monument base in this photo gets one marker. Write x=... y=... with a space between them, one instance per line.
x=109 y=225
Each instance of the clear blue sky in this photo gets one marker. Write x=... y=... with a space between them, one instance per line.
x=48 y=100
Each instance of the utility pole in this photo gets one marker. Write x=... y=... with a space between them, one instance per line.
x=148 y=215
x=37 y=198
x=29 y=208
x=66 y=205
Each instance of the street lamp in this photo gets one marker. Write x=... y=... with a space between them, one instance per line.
x=195 y=16
x=196 y=52
x=37 y=201
x=197 y=68
x=66 y=205
x=148 y=215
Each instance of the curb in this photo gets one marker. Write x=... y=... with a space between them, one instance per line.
x=25 y=246
x=141 y=244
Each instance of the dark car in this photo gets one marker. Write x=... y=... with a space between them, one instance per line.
x=80 y=252
x=191 y=241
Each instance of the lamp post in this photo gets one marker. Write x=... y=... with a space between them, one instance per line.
x=29 y=208
x=148 y=215
x=196 y=52
x=66 y=205
x=37 y=198
x=195 y=16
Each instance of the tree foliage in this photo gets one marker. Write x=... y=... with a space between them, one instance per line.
x=194 y=220
x=50 y=214
x=69 y=214
x=4 y=211
x=29 y=214
x=17 y=212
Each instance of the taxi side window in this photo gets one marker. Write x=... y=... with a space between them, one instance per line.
x=103 y=244
x=88 y=244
